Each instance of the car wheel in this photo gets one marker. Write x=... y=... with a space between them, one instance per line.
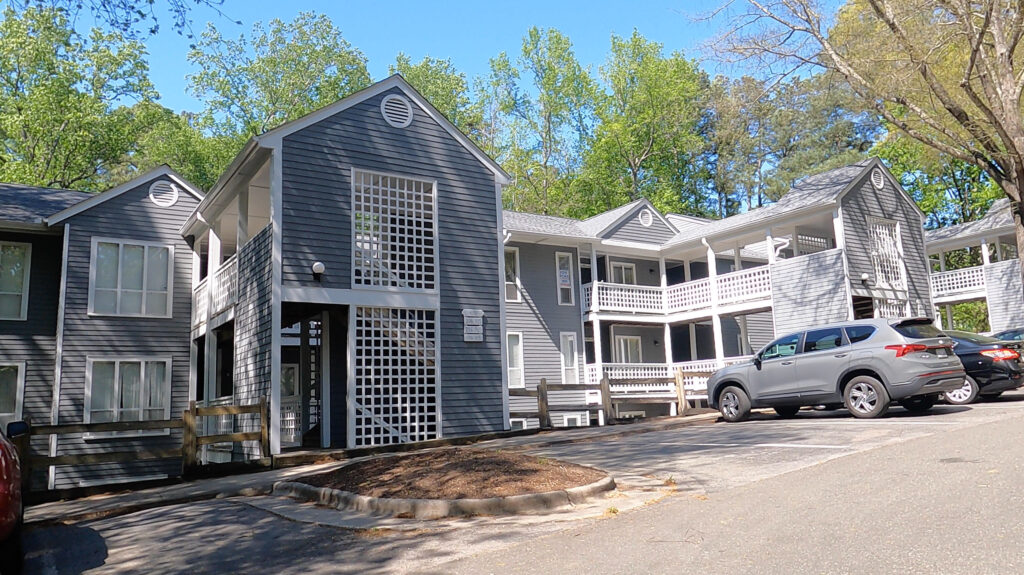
x=787 y=411
x=734 y=404
x=866 y=397
x=967 y=393
x=919 y=404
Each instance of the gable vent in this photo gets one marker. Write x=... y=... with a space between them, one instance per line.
x=397 y=110
x=877 y=179
x=163 y=193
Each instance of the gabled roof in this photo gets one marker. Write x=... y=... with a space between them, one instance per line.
x=270 y=137
x=998 y=217
x=30 y=205
x=539 y=224
x=114 y=192
x=597 y=225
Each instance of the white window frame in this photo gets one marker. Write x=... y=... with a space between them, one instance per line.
x=23 y=316
x=621 y=339
x=520 y=420
x=521 y=383
x=572 y=279
x=623 y=266
x=118 y=360
x=575 y=367
x=298 y=386
x=19 y=402
x=518 y=282
x=581 y=417
x=122 y=242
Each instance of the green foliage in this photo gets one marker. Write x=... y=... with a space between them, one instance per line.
x=445 y=88
x=280 y=73
x=64 y=121
x=130 y=18
x=648 y=135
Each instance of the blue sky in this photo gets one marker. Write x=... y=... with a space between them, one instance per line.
x=469 y=33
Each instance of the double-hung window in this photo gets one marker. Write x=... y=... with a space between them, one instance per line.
x=564 y=278
x=514 y=344
x=15 y=263
x=131 y=278
x=128 y=390
x=12 y=389
x=512 y=285
x=623 y=273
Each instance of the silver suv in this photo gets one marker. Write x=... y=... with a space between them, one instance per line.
x=862 y=364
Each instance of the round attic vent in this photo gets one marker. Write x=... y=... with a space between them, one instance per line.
x=877 y=178
x=646 y=218
x=397 y=110
x=163 y=193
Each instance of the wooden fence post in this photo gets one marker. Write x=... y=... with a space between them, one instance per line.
x=542 y=404
x=264 y=427
x=606 y=400
x=681 y=391
x=189 y=440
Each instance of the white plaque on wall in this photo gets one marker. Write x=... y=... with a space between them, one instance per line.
x=473 y=325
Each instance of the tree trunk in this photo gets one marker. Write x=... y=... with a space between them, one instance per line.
x=1017 y=209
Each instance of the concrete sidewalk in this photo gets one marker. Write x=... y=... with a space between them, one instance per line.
x=261 y=483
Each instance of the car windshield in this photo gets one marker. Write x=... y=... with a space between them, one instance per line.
x=971 y=337
x=917 y=328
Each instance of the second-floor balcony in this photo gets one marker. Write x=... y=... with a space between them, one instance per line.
x=958 y=284
x=216 y=293
x=743 y=286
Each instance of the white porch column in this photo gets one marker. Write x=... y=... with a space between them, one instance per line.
x=949 y=317
x=596 y=324
x=691 y=326
x=942 y=261
x=770 y=245
x=985 y=257
x=243 y=220
x=210 y=351
x=737 y=263
x=668 y=329
x=716 y=320
x=796 y=242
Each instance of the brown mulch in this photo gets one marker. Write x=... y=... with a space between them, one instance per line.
x=455 y=474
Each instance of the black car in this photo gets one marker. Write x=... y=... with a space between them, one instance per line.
x=1015 y=334
x=993 y=366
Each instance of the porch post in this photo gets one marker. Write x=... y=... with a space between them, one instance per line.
x=691 y=326
x=942 y=261
x=949 y=317
x=741 y=320
x=596 y=324
x=305 y=382
x=668 y=329
x=985 y=257
x=770 y=244
x=716 y=320
x=796 y=242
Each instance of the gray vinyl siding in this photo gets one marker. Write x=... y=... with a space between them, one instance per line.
x=652 y=348
x=316 y=226
x=863 y=202
x=631 y=230
x=539 y=317
x=1005 y=296
x=809 y=290
x=129 y=216
x=253 y=329
x=33 y=341
x=648 y=272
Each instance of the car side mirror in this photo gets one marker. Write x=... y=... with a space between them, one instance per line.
x=757 y=361
x=16 y=428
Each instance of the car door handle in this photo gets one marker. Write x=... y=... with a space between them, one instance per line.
x=840 y=355
x=787 y=363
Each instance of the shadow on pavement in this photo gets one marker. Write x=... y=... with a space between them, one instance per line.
x=63 y=550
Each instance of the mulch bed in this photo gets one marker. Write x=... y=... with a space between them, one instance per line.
x=455 y=474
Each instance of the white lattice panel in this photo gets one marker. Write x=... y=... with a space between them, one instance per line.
x=890 y=307
x=688 y=296
x=394 y=235
x=623 y=297
x=958 y=281
x=812 y=244
x=395 y=388
x=291 y=420
x=588 y=291
x=745 y=285
x=225 y=285
x=886 y=254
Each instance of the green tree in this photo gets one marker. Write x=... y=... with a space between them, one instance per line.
x=547 y=103
x=65 y=118
x=280 y=73
x=130 y=18
x=445 y=88
x=648 y=132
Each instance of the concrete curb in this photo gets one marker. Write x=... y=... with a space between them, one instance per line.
x=439 y=508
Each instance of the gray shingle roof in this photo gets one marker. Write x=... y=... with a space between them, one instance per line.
x=593 y=226
x=818 y=190
x=538 y=224
x=31 y=205
x=998 y=216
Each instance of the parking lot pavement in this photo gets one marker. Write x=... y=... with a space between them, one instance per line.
x=714 y=462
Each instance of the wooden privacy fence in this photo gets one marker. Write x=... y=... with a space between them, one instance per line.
x=188 y=451
x=544 y=407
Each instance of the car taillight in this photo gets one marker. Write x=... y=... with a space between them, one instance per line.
x=1000 y=354
x=902 y=350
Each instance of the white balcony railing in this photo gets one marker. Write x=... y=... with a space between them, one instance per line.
x=741 y=286
x=199 y=303
x=958 y=281
x=225 y=286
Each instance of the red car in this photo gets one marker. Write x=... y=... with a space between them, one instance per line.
x=11 y=509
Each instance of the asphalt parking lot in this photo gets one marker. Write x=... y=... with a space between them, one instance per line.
x=698 y=471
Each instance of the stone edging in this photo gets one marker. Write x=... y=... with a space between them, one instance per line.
x=438 y=508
